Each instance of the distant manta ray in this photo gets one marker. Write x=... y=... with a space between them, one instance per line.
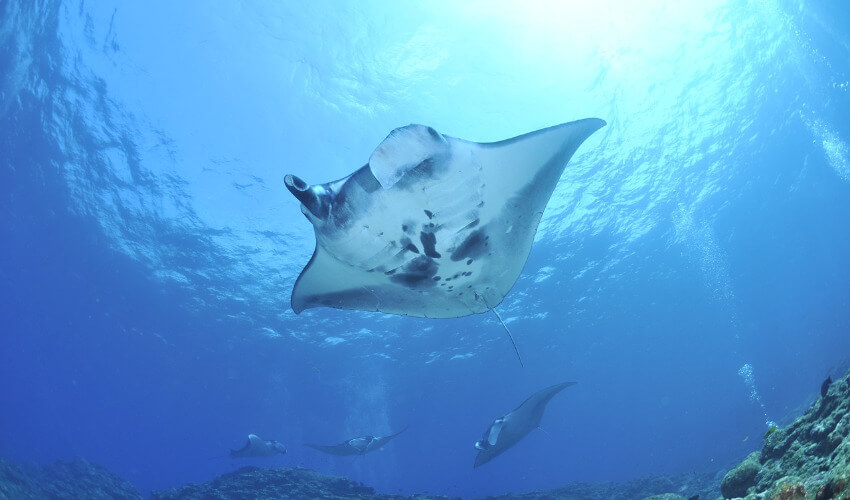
x=256 y=447
x=356 y=446
x=507 y=431
x=433 y=226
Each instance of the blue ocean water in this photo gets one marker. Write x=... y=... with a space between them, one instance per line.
x=690 y=272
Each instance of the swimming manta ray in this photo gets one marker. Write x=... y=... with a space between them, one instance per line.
x=356 y=446
x=433 y=226
x=507 y=431
x=256 y=447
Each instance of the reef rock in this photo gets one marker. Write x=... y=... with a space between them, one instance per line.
x=250 y=483
x=63 y=479
x=253 y=483
x=667 y=496
x=809 y=459
x=676 y=487
x=738 y=480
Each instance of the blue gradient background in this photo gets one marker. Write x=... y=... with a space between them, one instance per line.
x=148 y=246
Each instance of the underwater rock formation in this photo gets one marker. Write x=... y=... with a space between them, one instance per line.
x=252 y=482
x=738 y=480
x=249 y=483
x=80 y=479
x=63 y=479
x=675 y=487
x=809 y=459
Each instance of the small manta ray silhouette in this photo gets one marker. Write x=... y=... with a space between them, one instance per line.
x=356 y=446
x=256 y=447
x=507 y=431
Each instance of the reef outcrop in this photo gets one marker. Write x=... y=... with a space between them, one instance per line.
x=81 y=479
x=809 y=459
x=675 y=487
x=250 y=483
x=75 y=478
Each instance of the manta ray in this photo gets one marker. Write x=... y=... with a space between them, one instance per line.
x=356 y=446
x=507 y=431
x=432 y=226
x=256 y=447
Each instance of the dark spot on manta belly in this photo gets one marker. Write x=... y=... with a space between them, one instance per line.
x=408 y=245
x=474 y=245
x=429 y=213
x=418 y=273
x=411 y=247
x=429 y=242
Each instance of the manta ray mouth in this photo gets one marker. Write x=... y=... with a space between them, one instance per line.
x=305 y=194
x=295 y=184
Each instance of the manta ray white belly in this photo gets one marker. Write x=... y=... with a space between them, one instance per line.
x=433 y=226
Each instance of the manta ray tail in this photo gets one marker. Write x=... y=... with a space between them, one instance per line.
x=509 y=335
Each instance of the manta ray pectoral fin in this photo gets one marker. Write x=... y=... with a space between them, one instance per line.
x=404 y=149
x=399 y=432
x=254 y=442
x=326 y=281
x=531 y=410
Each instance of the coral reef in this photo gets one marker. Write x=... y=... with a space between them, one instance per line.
x=809 y=459
x=249 y=483
x=737 y=480
x=80 y=479
x=72 y=479
x=678 y=487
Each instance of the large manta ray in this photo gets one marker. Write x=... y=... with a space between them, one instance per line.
x=507 y=431
x=432 y=226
